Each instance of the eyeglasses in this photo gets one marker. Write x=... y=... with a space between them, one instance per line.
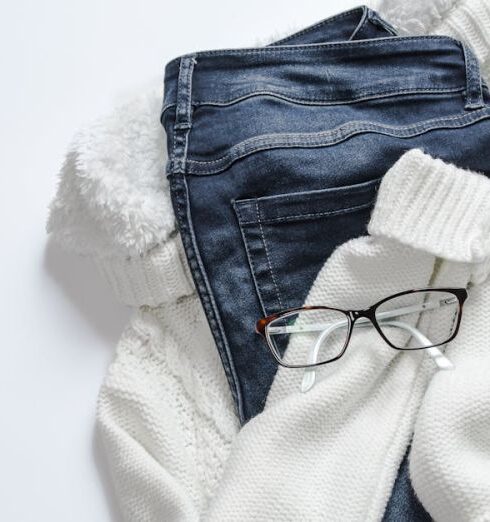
x=311 y=336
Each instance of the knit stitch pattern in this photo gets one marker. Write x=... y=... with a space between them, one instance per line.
x=160 y=276
x=333 y=453
x=165 y=414
x=450 y=458
x=416 y=180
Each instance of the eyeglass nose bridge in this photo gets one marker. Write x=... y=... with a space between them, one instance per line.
x=357 y=314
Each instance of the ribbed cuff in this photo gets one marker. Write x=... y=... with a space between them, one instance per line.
x=434 y=206
x=160 y=276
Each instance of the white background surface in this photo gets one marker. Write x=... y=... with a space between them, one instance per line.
x=63 y=64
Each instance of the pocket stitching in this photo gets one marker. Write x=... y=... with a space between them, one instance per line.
x=322 y=101
x=313 y=214
x=267 y=254
x=249 y=257
x=329 y=138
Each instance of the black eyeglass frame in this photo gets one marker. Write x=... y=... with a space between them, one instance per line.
x=352 y=316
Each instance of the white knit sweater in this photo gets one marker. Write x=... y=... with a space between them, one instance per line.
x=334 y=452
x=165 y=411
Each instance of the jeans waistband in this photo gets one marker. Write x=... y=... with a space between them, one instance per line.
x=325 y=73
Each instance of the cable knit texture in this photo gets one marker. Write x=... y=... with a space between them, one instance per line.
x=165 y=414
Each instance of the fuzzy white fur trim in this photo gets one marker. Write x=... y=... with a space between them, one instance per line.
x=112 y=197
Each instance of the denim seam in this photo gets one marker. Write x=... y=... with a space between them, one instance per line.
x=166 y=107
x=207 y=296
x=183 y=114
x=318 y=100
x=267 y=254
x=325 y=22
x=250 y=258
x=285 y=219
x=469 y=74
x=327 y=138
x=356 y=188
x=361 y=25
x=356 y=125
x=474 y=100
x=375 y=19
x=378 y=42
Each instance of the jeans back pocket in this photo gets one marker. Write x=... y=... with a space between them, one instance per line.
x=288 y=237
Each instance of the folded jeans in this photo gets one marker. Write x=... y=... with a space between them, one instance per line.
x=302 y=132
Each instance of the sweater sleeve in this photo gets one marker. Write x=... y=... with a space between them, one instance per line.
x=318 y=440
x=435 y=207
x=112 y=205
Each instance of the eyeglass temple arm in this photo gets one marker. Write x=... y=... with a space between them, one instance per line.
x=381 y=315
x=441 y=361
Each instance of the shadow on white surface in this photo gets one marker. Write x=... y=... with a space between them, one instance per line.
x=84 y=287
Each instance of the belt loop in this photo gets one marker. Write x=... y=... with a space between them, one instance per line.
x=183 y=113
x=374 y=18
x=474 y=88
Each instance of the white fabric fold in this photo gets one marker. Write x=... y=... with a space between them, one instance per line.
x=333 y=453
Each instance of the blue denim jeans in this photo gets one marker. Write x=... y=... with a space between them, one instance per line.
x=275 y=156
